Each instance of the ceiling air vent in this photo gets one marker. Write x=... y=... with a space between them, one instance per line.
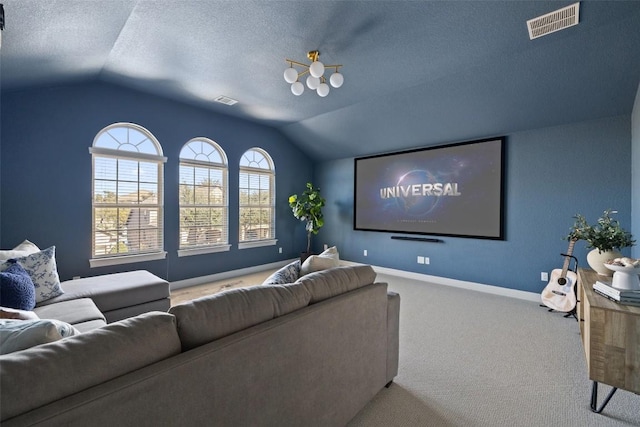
x=225 y=100
x=554 y=21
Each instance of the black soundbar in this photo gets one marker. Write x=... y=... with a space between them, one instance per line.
x=418 y=239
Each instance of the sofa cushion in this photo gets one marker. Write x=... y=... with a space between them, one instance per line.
x=325 y=284
x=71 y=365
x=134 y=310
x=115 y=291
x=73 y=311
x=89 y=325
x=23 y=249
x=208 y=318
x=16 y=288
x=287 y=274
x=41 y=267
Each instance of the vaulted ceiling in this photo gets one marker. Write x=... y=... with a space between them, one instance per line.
x=416 y=73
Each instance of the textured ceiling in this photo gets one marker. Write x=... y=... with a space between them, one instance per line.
x=416 y=72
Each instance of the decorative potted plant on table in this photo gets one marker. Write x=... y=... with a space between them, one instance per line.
x=308 y=208
x=606 y=237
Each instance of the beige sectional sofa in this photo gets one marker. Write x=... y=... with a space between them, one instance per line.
x=309 y=353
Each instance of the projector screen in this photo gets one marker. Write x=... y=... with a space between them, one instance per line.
x=448 y=190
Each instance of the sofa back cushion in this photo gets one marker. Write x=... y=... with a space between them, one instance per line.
x=215 y=316
x=40 y=375
x=325 y=284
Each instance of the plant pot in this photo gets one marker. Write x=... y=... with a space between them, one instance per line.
x=596 y=260
x=304 y=256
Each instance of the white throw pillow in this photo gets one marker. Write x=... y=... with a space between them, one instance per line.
x=16 y=335
x=331 y=252
x=317 y=263
x=12 y=313
x=41 y=267
x=23 y=249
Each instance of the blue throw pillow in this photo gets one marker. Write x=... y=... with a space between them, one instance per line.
x=17 y=289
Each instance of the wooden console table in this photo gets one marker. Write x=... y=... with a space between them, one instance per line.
x=611 y=339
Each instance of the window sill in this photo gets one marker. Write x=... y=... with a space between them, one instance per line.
x=203 y=250
x=257 y=243
x=126 y=259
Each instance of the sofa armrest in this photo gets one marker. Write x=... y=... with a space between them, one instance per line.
x=393 y=334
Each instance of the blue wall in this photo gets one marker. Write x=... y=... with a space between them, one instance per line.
x=46 y=174
x=552 y=174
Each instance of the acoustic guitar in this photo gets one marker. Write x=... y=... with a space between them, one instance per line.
x=559 y=294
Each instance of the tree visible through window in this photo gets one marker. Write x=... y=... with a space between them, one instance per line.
x=257 y=197
x=203 y=195
x=127 y=192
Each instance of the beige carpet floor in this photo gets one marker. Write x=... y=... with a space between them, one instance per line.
x=473 y=359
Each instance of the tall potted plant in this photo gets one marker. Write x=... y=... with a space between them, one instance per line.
x=308 y=208
x=605 y=238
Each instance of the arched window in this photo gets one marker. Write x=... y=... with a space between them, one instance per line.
x=204 y=198
x=257 y=199
x=127 y=195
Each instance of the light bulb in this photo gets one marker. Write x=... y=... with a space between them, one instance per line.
x=313 y=82
x=297 y=88
x=336 y=79
x=290 y=75
x=323 y=89
x=316 y=69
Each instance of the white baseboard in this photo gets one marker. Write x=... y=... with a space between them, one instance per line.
x=195 y=281
x=490 y=289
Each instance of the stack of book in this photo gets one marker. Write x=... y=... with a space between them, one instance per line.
x=621 y=296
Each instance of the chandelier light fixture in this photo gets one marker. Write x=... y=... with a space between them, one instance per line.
x=315 y=80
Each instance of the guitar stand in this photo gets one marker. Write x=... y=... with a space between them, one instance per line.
x=571 y=313
x=574 y=311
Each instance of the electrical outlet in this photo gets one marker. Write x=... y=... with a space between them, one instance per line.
x=544 y=276
x=279 y=250
x=326 y=246
x=365 y=252
x=426 y=260
x=420 y=259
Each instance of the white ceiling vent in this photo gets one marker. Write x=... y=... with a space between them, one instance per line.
x=225 y=100
x=554 y=21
